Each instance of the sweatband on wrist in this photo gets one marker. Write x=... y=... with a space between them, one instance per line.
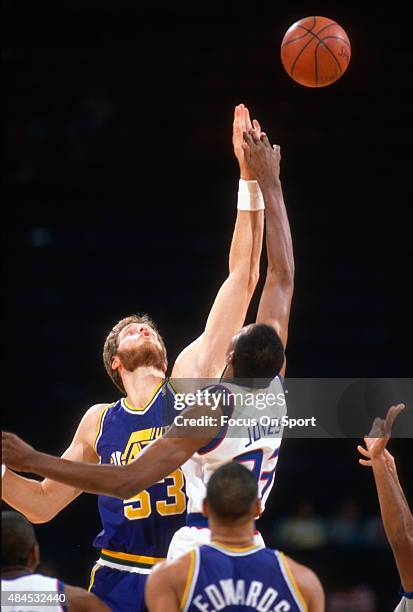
x=250 y=196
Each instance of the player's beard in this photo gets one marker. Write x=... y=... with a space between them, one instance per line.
x=148 y=355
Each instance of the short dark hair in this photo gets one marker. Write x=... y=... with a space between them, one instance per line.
x=258 y=353
x=110 y=347
x=17 y=539
x=231 y=492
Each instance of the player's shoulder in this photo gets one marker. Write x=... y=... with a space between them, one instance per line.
x=170 y=570
x=95 y=412
x=306 y=579
x=90 y=423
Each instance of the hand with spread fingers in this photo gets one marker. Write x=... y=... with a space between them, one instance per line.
x=394 y=508
x=377 y=439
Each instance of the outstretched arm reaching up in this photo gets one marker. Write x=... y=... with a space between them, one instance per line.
x=205 y=357
x=264 y=163
x=396 y=515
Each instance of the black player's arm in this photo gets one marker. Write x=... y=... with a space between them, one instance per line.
x=275 y=304
x=155 y=462
x=80 y=600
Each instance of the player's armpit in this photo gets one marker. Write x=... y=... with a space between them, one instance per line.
x=80 y=600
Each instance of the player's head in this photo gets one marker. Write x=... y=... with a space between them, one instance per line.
x=133 y=342
x=232 y=496
x=256 y=351
x=20 y=549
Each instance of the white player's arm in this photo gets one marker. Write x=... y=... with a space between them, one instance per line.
x=165 y=586
x=80 y=600
x=395 y=512
x=275 y=304
x=308 y=584
x=205 y=357
x=40 y=501
x=157 y=460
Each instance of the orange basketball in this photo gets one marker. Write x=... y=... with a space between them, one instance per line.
x=315 y=51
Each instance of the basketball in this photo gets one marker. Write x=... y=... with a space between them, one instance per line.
x=315 y=51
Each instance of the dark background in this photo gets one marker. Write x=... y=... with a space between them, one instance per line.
x=119 y=196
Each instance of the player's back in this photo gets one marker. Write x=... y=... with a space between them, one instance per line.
x=137 y=531
x=251 y=435
x=33 y=593
x=252 y=578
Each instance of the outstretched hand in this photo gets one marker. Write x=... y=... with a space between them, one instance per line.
x=262 y=159
x=16 y=453
x=379 y=435
x=242 y=123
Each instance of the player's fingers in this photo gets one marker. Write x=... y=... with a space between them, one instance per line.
x=237 y=124
x=393 y=412
x=254 y=135
x=363 y=451
x=248 y=139
x=364 y=462
x=256 y=126
x=247 y=152
x=264 y=139
x=377 y=429
x=247 y=118
x=236 y=114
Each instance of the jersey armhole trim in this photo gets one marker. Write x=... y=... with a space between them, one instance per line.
x=289 y=578
x=190 y=580
x=100 y=427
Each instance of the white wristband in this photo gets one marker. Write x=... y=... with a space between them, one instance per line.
x=3 y=469
x=249 y=196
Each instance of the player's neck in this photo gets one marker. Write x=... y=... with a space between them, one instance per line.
x=15 y=572
x=240 y=536
x=141 y=384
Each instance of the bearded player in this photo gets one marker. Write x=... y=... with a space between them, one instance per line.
x=138 y=528
x=257 y=352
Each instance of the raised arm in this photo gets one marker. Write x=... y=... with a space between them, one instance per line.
x=40 y=501
x=205 y=357
x=158 y=459
x=395 y=512
x=264 y=163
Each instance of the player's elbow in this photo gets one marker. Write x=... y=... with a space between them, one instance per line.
x=253 y=279
x=282 y=277
x=401 y=541
x=126 y=485
x=40 y=516
x=125 y=490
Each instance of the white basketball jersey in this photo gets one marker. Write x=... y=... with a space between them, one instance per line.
x=33 y=593
x=255 y=445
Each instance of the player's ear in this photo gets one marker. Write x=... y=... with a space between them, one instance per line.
x=34 y=557
x=258 y=509
x=115 y=362
x=205 y=510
